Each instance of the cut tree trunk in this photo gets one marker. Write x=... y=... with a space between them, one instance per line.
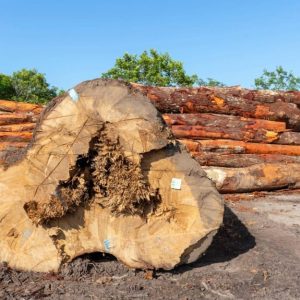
x=223 y=121
x=260 y=177
x=22 y=136
x=209 y=132
x=241 y=160
x=205 y=100
x=102 y=173
x=230 y=146
x=17 y=127
x=284 y=194
x=289 y=138
x=19 y=107
x=13 y=118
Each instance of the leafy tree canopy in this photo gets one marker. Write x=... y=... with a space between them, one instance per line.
x=28 y=86
x=210 y=82
x=32 y=86
x=6 y=88
x=278 y=80
x=153 y=68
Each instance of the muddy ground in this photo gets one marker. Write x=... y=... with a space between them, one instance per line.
x=256 y=255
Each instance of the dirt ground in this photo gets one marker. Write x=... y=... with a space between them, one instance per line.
x=256 y=255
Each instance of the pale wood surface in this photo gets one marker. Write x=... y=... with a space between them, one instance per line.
x=178 y=230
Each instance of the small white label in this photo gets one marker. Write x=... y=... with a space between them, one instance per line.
x=176 y=184
x=73 y=94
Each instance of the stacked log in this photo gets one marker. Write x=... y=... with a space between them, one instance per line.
x=236 y=132
x=17 y=122
x=247 y=140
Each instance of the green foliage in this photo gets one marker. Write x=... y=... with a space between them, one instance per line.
x=32 y=86
x=277 y=80
x=6 y=88
x=210 y=82
x=151 y=68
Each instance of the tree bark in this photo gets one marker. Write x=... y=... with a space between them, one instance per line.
x=102 y=174
x=17 y=127
x=223 y=121
x=241 y=160
x=283 y=194
x=260 y=177
x=208 y=100
x=19 y=107
x=209 y=132
x=22 y=136
x=14 y=118
x=231 y=146
x=289 y=138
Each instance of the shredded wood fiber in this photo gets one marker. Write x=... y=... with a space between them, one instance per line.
x=104 y=175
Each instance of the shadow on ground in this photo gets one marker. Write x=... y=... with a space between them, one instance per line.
x=232 y=240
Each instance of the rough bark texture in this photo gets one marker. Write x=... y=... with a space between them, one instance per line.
x=223 y=121
x=241 y=160
x=231 y=146
x=213 y=100
x=255 y=178
x=226 y=138
x=97 y=177
x=208 y=132
x=289 y=138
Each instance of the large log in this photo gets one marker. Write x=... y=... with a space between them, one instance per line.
x=223 y=121
x=17 y=127
x=19 y=107
x=209 y=132
x=204 y=100
x=22 y=136
x=260 y=177
x=263 y=96
x=285 y=194
x=231 y=146
x=289 y=138
x=102 y=173
x=14 y=118
x=241 y=160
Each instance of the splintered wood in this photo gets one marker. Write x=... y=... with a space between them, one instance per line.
x=103 y=173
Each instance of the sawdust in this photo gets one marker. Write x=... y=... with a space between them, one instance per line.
x=104 y=175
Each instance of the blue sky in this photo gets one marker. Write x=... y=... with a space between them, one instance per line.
x=72 y=41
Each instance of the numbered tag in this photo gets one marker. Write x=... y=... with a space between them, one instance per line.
x=176 y=184
x=73 y=94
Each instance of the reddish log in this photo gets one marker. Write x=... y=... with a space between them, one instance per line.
x=205 y=100
x=289 y=138
x=241 y=160
x=198 y=132
x=223 y=121
x=230 y=146
x=19 y=107
x=22 y=136
x=255 y=178
x=17 y=127
x=13 y=118
x=261 y=194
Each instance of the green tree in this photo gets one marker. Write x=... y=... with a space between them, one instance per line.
x=32 y=86
x=151 y=68
x=277 y=80
x=6 y=88
x=210 y=82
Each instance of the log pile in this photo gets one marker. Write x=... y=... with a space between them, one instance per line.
x=246 y=140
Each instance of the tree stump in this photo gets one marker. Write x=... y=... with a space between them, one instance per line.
x=103 y=174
